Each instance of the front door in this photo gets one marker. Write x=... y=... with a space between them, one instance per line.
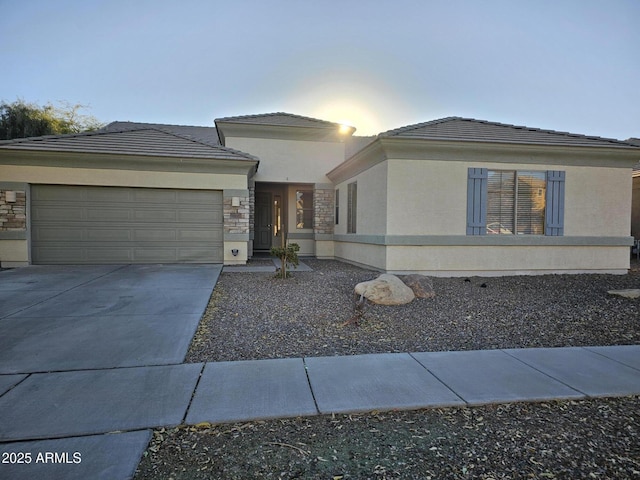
x=263 y=221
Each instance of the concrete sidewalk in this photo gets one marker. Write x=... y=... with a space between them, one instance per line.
x=75 y=411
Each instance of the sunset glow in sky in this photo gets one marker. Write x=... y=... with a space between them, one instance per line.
x=569 y=65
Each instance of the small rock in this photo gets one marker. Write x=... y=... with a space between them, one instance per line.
x=387 y=289
x=627 y=293
x=421 y=285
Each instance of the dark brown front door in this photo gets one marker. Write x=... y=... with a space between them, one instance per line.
x=263 y=222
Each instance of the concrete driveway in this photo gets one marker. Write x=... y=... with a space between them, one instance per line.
x=66 y=332
x=57 y=318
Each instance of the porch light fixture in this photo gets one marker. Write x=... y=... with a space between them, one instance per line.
x=10 y=196
x=234 y=252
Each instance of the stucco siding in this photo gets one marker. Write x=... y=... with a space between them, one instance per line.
x=430 y=197
x=366 y=255
x=426 y=197
x=291 y=160
x=512 y=260
x=598 y=201
x=371 y=212
x=121 y=178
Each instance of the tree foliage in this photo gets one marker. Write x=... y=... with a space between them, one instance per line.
x=20 y=119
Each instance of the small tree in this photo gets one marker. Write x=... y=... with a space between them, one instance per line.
x=21 y=119
x=288 y=254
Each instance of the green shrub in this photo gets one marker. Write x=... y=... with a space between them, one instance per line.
x=288 y=255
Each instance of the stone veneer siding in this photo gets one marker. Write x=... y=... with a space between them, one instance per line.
x=236 y=219
x=13 y=215
x=323 y=201
x=252 y=209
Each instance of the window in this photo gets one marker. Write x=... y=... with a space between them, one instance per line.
x=516 y=202
x=508 y=202
x=304 y=209
x=337 y=201
x=352 y=207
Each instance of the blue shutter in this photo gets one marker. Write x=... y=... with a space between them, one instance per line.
x=554 y=214
x=477 y=201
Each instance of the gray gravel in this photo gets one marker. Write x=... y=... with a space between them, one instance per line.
x=254 y=316
x=257 y=316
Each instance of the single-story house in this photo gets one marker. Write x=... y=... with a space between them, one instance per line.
x=453 y=196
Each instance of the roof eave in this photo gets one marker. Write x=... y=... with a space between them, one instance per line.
x=121 y=161
x=320 y=133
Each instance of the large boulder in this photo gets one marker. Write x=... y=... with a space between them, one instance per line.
x=385 y=290
x=421 y=285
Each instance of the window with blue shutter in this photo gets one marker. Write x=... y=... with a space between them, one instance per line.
x=508 y=202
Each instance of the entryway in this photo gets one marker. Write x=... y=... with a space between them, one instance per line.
x=270 y=216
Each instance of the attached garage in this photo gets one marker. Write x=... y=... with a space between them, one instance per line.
x=82 y=224
x=124 y=194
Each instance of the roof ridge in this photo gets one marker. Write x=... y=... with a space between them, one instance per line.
x=273 y=114
x=200 y=142
x=416 y=126
x=100 y=132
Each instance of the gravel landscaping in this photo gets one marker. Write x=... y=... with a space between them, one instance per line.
x=256 y=316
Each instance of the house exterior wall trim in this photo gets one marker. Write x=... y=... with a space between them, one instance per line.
x=478 y=152
x=300 y=236
x=126 y=162
x=228 y=130
x=22 y=235
x=483 y=240
x=235 y=192
x=236 y=237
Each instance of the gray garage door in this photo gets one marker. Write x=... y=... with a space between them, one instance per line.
x=76 y=225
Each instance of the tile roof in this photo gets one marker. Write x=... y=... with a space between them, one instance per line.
x=280 y=119
x=140 y=141
x=469 y=129
x=208 y=135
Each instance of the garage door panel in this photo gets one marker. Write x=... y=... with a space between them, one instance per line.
x=75 y=224
x=108 y=255
x=155 y=235
x=155 y=196
x=101 y=195
x=154 y=216
x=97 y=214
x=102 y=235
x=56 y=234
x=199 y=197
x=190 y=255
x=57 y=214
x=212 y=236
x=196 y=216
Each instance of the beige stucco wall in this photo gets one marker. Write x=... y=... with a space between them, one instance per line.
x=506 y=260
x=426 y=199
x=120 y=178
x=635 y=209
x=371 y=212
x=291 y=160
x=14 y=253
x=430 y=197
x=362 y=254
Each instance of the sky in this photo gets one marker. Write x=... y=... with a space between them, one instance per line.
x=567 y=65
